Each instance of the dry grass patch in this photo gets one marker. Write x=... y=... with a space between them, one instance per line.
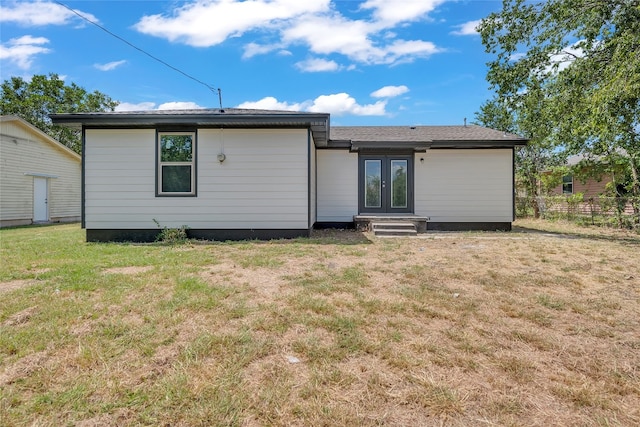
x=534 y=327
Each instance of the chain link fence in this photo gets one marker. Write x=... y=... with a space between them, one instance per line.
x=621 y=212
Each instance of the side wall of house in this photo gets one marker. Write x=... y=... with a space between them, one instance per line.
x=464 y=185
x=262 y=183
x=337 y=186
x=24 y=154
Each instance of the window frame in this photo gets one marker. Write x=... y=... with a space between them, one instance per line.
x=567 y=184
x=192 y=163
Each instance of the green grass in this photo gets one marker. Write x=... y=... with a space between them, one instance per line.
x=338 y=329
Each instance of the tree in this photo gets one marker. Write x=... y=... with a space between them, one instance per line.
x=539 y=155
x=582 y=56
x=34 y=100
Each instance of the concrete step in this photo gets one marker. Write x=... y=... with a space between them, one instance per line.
x=392 y=225
x=394 y=229
x=395 y=233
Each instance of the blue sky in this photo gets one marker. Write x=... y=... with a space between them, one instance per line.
x=373 y=62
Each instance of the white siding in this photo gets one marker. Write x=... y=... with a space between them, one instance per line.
x=25 y=151
x=464 y=185
x=262 y=184
x=337 y=185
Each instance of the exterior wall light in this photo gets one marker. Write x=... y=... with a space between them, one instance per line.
x=221 y=157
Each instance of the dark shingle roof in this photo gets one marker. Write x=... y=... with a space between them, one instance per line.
x=420 y=133
x=353 y=137
x=213 y=117
x=420 y=137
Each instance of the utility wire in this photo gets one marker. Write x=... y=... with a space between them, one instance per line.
x=166 y=64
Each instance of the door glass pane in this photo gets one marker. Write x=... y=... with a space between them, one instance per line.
x=398 y=183
x=373 y=183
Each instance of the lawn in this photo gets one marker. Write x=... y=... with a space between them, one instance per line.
x=540 y=326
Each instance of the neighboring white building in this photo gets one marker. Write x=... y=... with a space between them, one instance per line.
x=234 y=174
x=39 y=177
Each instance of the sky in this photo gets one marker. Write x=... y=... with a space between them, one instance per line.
x=369 y=62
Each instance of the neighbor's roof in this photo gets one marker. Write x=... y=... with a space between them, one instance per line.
x=35 y=131
x=422 y=137
x=227 y=117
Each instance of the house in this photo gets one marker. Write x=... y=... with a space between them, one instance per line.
x=589 y=185
x=39 y=177
x=236 y=174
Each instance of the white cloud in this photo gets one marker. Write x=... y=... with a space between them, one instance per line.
x=517 y=57
x=40 y=13
x=209 y=22
x=21 y=50
x=149 y=106
x=316 y=65
x=391 y=13
x=253 y=49
x=562 y=60
x=467 y=29
x=271 y=103
x=390 y=91
x=142 y=106
x=338 y=104
x=335 y=34
x=316 y=25
x=110 y=65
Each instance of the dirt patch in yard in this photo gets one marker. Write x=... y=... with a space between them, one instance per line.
x=13 y=285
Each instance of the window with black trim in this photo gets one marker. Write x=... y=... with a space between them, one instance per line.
x=567 y=184
x=176 y=163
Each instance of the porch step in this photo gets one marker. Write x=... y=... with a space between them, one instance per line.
x=365 y=222
x=394 y=229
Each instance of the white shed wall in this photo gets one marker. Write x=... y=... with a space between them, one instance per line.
x=337 y=185
x=262 y=184
x=24 y=152
x=471 y=185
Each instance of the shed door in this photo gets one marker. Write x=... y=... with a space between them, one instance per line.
x=386 y=184
x=40 y=199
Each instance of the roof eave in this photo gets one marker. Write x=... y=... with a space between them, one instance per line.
x=318 y=123
x=510 y=143
x=390 y=145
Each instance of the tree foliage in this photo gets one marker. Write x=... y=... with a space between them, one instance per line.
x=578 y=59
x=536 y=158
x=35 y=99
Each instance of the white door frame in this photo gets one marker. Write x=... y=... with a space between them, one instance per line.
x=40 y=199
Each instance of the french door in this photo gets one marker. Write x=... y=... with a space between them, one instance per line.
x=386 y=184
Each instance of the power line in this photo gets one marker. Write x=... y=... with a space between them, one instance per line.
x=166 y=64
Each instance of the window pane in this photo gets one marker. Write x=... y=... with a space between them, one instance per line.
x=373 y=181
x=567 y=184
x=398 y=183
x=176 y=179
x=176 y=148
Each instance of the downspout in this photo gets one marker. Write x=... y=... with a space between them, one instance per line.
x=82 y=178
x=513 y=181
x=309 y=225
